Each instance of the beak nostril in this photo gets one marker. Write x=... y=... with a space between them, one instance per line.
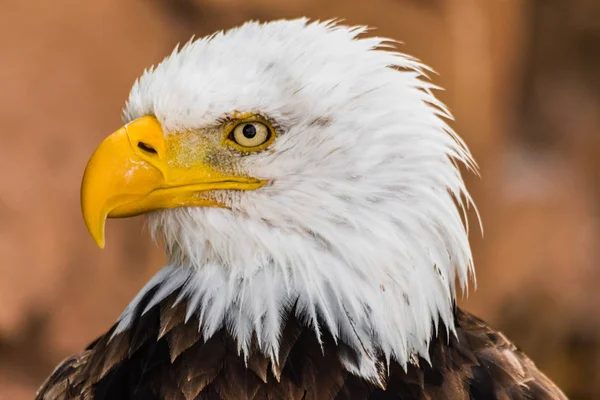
x=146 y=148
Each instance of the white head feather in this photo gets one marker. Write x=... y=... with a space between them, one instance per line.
x=361 y=225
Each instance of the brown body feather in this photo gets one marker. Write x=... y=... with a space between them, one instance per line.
x=163 y=357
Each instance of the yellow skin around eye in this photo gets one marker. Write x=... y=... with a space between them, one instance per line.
x=265 y=134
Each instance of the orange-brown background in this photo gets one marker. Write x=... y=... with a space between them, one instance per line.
x=522 y=78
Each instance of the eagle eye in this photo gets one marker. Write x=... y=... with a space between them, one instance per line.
x=251 y=135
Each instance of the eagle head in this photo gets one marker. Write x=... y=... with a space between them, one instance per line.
x=294 y=166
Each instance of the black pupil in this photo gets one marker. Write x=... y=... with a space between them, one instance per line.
x=249 y=131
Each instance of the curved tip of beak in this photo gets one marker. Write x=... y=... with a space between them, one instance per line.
x=98 y=184
x=94 y=221
x=99 y=237
x=115 y=174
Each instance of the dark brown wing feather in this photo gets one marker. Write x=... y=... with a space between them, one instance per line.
x=501 y=371
x=163 y=357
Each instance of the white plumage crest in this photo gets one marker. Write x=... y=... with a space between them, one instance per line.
x=361 y=225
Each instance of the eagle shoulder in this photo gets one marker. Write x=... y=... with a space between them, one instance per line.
x=497 y=368
x=163 y=356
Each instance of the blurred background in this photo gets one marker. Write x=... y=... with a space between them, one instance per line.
x=522 y=78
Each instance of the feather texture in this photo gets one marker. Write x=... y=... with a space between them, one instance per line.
x=477 y=363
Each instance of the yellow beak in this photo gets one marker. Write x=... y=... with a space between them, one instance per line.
x=133 y=171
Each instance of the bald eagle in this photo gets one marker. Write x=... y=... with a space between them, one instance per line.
x=306 y=186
